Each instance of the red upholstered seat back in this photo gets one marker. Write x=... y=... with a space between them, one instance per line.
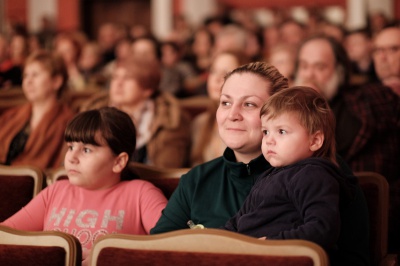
x=15 y=193
x=16 y=255
x=115 y=256
x=376 y=192
x=371 y=194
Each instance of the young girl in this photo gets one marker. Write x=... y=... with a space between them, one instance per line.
x=99 y=198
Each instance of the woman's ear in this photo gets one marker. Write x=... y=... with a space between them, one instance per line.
x=120 y=162
x=316 y=140
x=148 y=92
x=57 y=82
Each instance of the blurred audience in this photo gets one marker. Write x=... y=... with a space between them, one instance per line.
x=254 y=45
x=146 y=48
x=331 y=29
x=177 y=77
x=201 y=50
x=163 y=129
x=231 y=37
x=283 y=57
x=89 y=65
x=291 y=32
x=123 y=53
x=377 y=21
x=33 y=133
x=386 y=56
x=69 y=48
x=271 y=38
x=358 y=46
x=11 y=67
x=107 y=38
x=367 y=117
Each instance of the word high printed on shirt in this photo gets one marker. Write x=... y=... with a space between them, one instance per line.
x=86 y=225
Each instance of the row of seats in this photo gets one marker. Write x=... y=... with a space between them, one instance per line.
x=14 y=194
x=199 y=246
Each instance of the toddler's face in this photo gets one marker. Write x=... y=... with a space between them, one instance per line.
x=285 y=140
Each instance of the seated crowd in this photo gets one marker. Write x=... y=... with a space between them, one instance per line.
x=134 y=113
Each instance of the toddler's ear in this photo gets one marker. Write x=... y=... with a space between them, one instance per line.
x=120 y=162
x=316 y=140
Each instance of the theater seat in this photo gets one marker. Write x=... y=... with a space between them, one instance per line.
x=204 y=247
x=376 y=192
x=49 y=248
x=166 y=179
x=18 y=185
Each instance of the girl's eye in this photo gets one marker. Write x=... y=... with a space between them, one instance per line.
x=282 y=131
x=70 y=147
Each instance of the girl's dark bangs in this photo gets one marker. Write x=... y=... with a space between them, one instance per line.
x=83 y=128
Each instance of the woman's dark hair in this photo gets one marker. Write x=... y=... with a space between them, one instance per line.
x=111 y=125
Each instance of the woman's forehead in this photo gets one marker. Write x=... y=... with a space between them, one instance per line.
x=246 y=84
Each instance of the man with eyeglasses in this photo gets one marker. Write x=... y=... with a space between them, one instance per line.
x=386 y=56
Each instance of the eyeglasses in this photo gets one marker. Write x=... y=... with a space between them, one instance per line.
x=390 y=50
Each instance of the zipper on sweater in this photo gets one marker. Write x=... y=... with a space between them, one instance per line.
x=248 y=169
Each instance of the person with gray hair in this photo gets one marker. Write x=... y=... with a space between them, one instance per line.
x=367 y=116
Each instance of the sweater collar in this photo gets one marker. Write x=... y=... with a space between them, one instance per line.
x=241 y=170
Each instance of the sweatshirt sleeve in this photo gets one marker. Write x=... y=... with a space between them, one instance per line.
x=152 y=202
x=231 y=224
x=177 y=212
x=31 y=217
x=315 y=194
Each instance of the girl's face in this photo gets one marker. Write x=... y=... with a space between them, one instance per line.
x=91 y=167
x=238 y=114
x=37 y=84
x=222 y=64
x=125 y=91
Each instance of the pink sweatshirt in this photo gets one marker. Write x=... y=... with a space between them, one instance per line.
x=130 y=207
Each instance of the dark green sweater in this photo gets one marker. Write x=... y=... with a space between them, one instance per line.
x=210 y=193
